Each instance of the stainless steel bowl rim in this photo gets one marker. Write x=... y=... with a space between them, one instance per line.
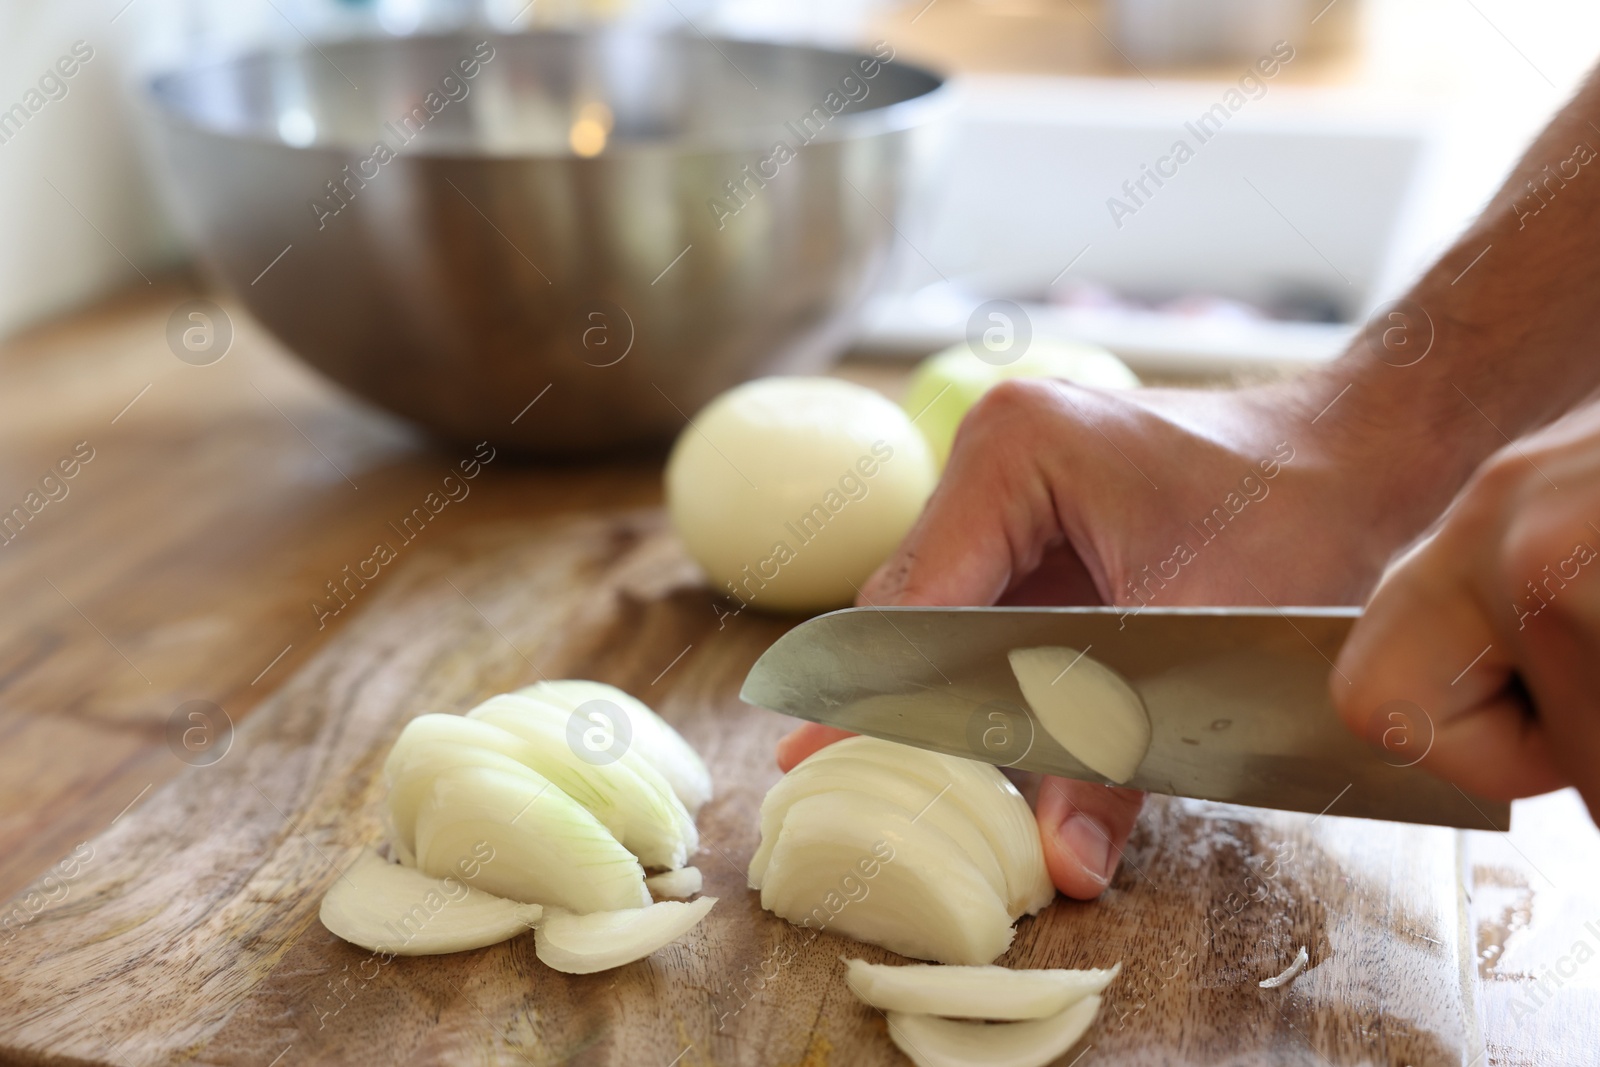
x=898 y=116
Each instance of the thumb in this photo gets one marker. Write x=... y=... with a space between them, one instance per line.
x=1083 y=827
x=805 y=739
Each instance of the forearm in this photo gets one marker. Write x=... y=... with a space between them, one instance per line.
x=1499 y=337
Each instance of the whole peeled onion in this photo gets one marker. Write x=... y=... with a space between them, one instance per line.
x=791 y=491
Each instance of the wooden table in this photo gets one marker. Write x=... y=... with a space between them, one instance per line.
x=164 y=910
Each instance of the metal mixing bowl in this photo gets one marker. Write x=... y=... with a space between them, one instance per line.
x=602 y=222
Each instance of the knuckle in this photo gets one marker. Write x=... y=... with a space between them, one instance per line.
x=1505 y=485
x=1502 y=477
x=1011 y=401
x=1535 y=540
x=1545 y=552
x=1004 y=418
x=1522 y=553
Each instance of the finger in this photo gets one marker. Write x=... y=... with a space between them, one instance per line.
x=800 y=743
x=1083 y=828
x=1558 y=658
x=992 y=514
x=1426 y=676
x=1060 y=578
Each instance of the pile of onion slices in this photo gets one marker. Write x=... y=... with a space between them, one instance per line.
x=927 y=855
x=537 y=809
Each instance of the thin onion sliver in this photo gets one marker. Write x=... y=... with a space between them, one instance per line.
x=1301 y=958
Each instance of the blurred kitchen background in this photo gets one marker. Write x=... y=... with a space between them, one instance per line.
x=1365 y=153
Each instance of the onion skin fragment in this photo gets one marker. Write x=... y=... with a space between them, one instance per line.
x=998 y=994
x=934 y=1042
x=584 y=944
x=398 y=910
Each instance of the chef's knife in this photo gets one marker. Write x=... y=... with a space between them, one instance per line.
x=1238 y=701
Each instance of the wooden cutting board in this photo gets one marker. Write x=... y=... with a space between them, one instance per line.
x=189 y=931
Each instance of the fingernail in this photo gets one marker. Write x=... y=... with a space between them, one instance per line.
x=1090 y=842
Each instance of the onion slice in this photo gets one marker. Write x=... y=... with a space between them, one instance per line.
x=584 y=944
x=852 y=864
x=994 y=993
x=428 y=747
x=1088 y=707
x=386 y=907
x=534 y=843
x=902 y=790
x=934 y=1042
x=680 y=884
x=977 y=790
x=653 y=737
x=627 y=794
x=1290 y=973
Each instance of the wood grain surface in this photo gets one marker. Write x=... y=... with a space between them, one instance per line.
x=167 y=911
x=191 y=929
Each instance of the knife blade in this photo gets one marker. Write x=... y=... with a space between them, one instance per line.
x=1237 y=697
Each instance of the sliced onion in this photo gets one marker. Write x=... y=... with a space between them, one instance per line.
x=546 y=848
x=583 y=944
x=1088 y=707
x=853 y=864
x=979 y=790
x=903 y=791
x=680 y=884
x=388 y=908
x=995 y=993
x=627 y=794
x=429 y=746
x=934 y=1042
x=653 y=737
